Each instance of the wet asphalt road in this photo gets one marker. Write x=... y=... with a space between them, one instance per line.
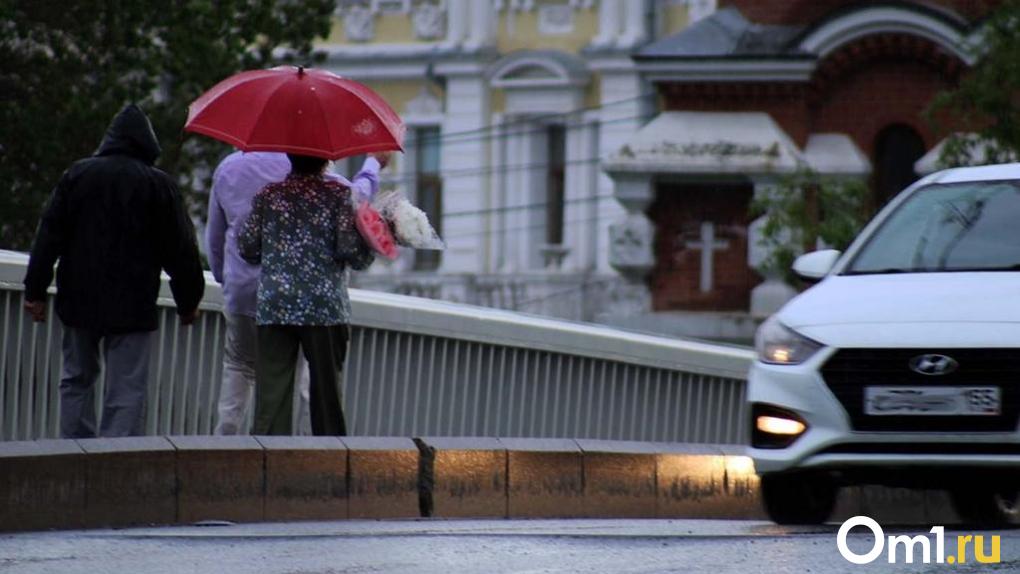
x=447 y=547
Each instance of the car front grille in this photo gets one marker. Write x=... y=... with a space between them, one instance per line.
x=849 y=371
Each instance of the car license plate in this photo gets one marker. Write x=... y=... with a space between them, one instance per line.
x=932 y=401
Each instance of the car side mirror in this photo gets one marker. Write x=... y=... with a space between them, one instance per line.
x=812 y=267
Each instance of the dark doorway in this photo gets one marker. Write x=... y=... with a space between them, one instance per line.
x=701 y=248
x=897 y=148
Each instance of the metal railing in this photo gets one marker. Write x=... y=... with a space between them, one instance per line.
x=571 y=296
x=418 y=367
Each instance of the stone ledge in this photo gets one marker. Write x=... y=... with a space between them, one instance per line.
x=545 y=478
x=42 y=485
x=131 y=481
x=69 y=484
x=383 y=477
x=219 y=478
x=619 y=479
x=706 y=481
x=306 y=477
x=468 y=476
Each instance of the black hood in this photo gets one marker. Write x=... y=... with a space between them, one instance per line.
x=130 y=133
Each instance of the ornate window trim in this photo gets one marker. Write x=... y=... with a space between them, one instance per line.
x=562 y=70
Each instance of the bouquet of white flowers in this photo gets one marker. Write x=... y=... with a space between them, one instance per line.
x=410 y=225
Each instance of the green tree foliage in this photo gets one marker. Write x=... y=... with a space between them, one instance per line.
x=68 y=67
x=987 y=100
x=806 y=207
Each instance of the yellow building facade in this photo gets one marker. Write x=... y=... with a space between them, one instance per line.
x=510 y=107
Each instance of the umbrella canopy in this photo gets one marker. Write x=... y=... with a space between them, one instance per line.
x=297 y=110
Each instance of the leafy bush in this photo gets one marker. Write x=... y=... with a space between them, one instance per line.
x=805 y=209
x=984 y=104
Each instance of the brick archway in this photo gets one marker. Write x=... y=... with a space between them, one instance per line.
x=877 y=81
x=906 y=48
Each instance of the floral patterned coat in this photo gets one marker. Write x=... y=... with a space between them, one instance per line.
x=302 y=232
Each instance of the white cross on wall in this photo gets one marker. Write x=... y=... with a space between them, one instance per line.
x=708 y=245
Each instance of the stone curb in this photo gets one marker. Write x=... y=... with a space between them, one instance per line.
x=306 y=478
x=69 y=484
x=130 y=481
x=468 y=477
x=219 y=478
x=384 y=477
x=42 y=485
x=545 y=478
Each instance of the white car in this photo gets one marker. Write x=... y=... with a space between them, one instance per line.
x=901 y=366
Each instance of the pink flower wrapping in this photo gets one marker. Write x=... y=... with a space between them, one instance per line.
x=375 y=231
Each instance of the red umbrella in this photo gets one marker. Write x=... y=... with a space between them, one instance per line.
x=297 y=110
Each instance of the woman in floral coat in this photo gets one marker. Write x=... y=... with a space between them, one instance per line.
x=302 y=232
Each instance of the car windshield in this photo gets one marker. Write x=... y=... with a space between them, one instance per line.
x=948 y=227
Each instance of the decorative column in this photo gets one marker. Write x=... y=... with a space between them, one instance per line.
x=530 y=232
x=480 y=33
x=621 y=115
x=609 y=24
x=581 y=209
x=466 y=189
x=631 y=244
x=635 y=25
x=456 y=23
x=515 y=217
x=498 y=219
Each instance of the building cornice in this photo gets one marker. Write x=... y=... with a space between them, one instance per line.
x=390 y=52
x=728 y=70
x=380 y=71
x=462 y=68
x=602 y=62
x=404 y=61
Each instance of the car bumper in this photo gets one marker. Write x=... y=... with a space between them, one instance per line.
x=829 y=442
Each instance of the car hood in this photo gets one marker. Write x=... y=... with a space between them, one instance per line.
x=912 y=310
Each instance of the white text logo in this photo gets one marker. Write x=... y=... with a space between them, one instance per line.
x=910 y=545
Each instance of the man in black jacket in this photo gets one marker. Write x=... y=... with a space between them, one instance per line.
x=114 y=221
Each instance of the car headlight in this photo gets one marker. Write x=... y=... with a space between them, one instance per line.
x=779 y=345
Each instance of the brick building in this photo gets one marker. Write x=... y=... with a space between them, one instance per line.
x=754 y=91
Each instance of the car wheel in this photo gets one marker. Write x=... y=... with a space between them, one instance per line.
x=986 y=507
x=798 y=498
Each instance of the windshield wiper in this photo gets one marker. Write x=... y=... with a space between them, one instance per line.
x=1013 y=267
x=886 y=271
x=967 y=221
x=895 y=270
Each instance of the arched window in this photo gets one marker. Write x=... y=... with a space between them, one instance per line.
x=897 y=148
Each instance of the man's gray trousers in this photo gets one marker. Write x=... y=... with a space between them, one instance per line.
x=126 y=380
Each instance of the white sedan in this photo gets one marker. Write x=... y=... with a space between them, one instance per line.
x=902 y=365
